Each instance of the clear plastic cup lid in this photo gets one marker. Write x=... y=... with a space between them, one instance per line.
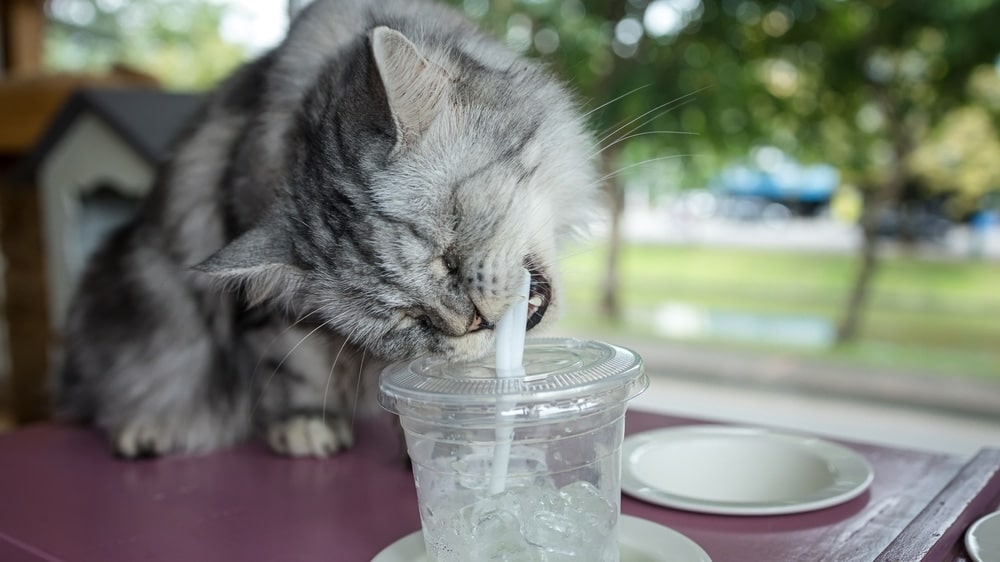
x=562 y=377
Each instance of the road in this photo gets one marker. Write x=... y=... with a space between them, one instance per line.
x=819 y=234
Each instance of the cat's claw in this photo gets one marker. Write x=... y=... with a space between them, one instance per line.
x=142 y=442
x=309 y=436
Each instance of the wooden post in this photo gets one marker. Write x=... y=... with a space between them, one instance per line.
x=23 y=24
x=26 y=304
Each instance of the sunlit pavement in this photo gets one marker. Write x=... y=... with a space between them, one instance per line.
x=869 y=422
x=913 y=410
x=904 y=410
x=969 y=397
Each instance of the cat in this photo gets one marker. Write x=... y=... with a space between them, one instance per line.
x=367 y=191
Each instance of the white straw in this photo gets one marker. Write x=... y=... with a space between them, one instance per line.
x=509 y=358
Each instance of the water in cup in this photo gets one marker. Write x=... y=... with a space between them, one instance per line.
x=557 y=424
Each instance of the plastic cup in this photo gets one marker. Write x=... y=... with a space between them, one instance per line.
x=566 y=417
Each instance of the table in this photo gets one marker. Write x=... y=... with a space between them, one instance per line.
x=63 y=498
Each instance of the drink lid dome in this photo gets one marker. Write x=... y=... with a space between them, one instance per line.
x=562 y=377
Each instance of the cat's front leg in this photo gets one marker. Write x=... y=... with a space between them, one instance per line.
x=307 y=386
x=153 y=436
x=178 y=400
x=309 y=435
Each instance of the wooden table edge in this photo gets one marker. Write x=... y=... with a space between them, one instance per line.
x=937 y=532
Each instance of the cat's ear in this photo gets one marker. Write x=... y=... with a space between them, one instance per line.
x=414 y=86
x=260 y=262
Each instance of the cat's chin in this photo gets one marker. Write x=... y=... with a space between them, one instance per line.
x=470 y=347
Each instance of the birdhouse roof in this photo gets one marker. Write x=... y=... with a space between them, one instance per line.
x=148 y=120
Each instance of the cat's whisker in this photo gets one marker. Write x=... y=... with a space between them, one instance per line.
x=649 y=120
x=642 y=163
x=282 y=362
x=607 y=103
x=326 y=391
x=684 y=97
x=357 y=389
x=566 y=268
x=568 y=271
x=568 y=256
x=581 y=247
x=668 y=105
x=530 y=210
x=634 y=135
x=263 y=353
x=657 y=116
x=545 y=224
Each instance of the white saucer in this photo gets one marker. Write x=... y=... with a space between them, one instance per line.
x=740 y=470
x=641 y=541
x=982 y=540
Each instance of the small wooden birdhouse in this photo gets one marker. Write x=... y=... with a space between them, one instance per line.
x=94 y=164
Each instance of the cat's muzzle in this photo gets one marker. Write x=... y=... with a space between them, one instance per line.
x=539 y=297
x=539 y=294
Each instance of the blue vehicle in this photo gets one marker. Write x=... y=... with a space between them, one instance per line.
x=802 y=189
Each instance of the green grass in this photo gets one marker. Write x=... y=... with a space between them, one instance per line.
x=923 y=315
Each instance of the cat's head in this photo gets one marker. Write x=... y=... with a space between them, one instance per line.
x=421 y=181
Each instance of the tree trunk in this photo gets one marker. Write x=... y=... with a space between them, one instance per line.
x=884 y=198
x=25 y=307
x=847 y=331
x=610 y=304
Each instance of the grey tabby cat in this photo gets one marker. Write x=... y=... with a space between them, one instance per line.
x=368 y=191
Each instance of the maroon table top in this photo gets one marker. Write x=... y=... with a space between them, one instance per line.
x=63 y=498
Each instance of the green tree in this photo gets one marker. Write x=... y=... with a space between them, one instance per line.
x=178 y=41
x=642 y=84
x=961 y=157
x=897 y=68
x=856 y=83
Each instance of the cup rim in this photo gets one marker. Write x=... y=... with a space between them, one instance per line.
x=562 y=377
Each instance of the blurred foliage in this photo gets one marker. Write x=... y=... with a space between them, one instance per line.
x=177 y=41
x=961 y=156
x=838 y=81
x=926 y=316
x=687 y=85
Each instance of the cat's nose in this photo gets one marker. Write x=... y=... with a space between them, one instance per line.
x=478 y=323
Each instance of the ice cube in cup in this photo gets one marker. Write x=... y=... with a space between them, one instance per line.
x=562 y=489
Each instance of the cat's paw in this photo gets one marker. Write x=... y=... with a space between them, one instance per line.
x=142 y=441
x=309 y=436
